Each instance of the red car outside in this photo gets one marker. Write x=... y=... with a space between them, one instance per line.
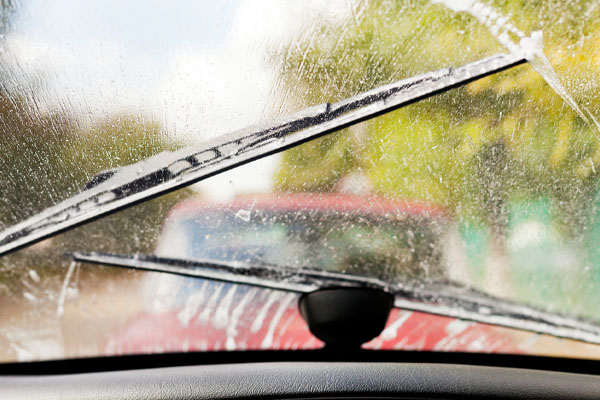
x=368 y=236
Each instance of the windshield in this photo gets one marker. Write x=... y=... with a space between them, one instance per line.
x=492 y=185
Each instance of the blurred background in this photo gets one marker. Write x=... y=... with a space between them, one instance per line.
x=512 y=159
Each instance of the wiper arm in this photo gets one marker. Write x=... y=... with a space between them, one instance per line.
x=446 y=299
x=114 y=190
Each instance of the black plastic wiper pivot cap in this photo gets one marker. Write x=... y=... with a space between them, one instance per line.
x=345 y=318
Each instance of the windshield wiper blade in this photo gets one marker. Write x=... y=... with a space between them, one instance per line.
x=439 y=298
x=114 y=190
x=270 y=276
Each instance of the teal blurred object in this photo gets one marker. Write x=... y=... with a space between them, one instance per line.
x=547 y=267
x=475 y=245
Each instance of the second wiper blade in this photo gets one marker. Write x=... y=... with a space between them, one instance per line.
x=300 y=280
x=446 y=299
x=114 y=190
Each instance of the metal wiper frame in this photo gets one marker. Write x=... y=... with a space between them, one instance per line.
x=117 y=189
x=441 y=298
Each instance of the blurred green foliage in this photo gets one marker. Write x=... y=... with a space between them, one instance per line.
x=505 y=139
x=54 y=159
x=508 y=135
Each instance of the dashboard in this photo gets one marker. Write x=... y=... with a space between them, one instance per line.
x=306 y=380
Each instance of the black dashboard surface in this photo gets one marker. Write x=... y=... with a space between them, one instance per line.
x=306 y=380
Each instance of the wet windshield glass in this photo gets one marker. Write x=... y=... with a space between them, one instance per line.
x=380 y=242
x=493 y=185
